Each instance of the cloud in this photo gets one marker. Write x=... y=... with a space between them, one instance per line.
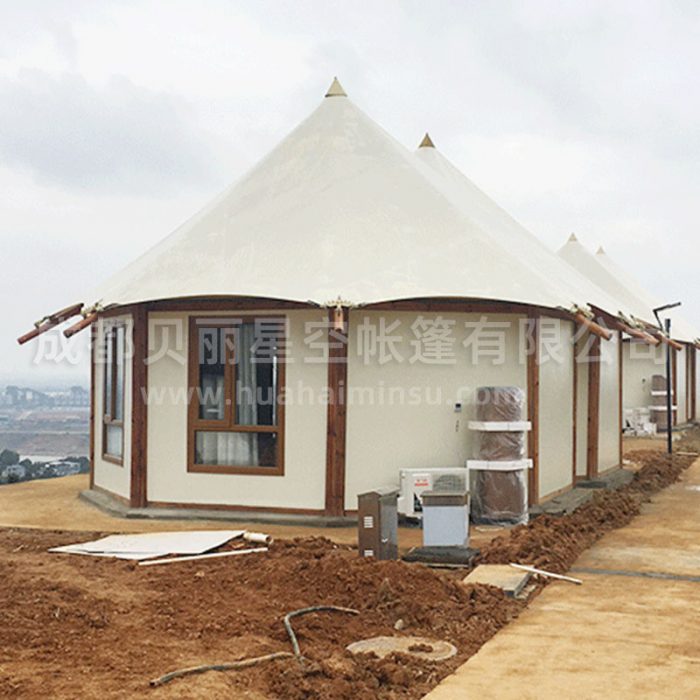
x=117 y=137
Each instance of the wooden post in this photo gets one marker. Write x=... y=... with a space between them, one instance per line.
x=139 y=410
x=337 y=413
x=593 y=407
x=533 y=405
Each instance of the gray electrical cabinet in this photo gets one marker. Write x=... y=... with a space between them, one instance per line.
x=378 y=523
x=445 y=518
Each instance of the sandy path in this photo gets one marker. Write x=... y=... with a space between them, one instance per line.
x=621 y=636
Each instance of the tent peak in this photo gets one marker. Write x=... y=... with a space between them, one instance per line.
x=336 y=89
x=600 y=251
x=572 y=238
x=427 y=142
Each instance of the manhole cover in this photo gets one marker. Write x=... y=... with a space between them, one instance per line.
x=420 y=647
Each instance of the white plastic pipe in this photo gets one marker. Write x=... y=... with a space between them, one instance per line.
x=559 y=577
x=257 y=537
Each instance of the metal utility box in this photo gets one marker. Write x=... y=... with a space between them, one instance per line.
x=378 y=523
x=445 y=519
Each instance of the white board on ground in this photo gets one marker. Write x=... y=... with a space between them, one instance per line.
x=152 y=544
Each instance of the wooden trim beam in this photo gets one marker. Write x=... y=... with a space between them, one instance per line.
x=533 y=406
x=595 y=328
x=224 y=304
x=662 y=338
x=620 y=325
x=139 y=409
x=640 y=335
x=336 y=425
x=236 y=508
x=50 y=322
x=455 y=305
x=80 y=325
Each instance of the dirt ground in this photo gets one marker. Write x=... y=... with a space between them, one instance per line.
x=53 y=504
x=86 y=627
x=80 y=626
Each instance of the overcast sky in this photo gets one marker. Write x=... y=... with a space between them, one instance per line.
x=118 y=120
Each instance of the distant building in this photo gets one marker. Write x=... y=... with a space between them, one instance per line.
x=26 y=397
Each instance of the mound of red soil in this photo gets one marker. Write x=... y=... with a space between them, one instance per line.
x=87 y=627
x=82 y=626
x=554 y=543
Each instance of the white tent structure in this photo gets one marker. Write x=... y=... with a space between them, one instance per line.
x=345 y=202
x=641 y=360
x=320 y=325
x=479 y=208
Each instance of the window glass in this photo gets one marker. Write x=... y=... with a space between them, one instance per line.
x=212 y=373
x=119 y=373
x=108 y=376
x=113 y=440
x=256 y=367
x=230 y=449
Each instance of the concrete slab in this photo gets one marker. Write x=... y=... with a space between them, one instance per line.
x=569 y=501
x=611 y=480
x=503 y=576
x=563 y=504
x=114 y=507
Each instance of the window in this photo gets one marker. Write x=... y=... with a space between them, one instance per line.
x=236 y=419
x=113 y=421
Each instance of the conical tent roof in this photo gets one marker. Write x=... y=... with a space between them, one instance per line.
x=631 y=301
x=338 y=209
x=680 y=327
x=481 y=210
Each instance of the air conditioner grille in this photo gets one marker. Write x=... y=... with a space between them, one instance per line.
x=450 y=482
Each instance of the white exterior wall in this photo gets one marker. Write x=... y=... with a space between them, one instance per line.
x=384 y=437
x=303 y=483
x=115 y=478
x=384 y=434
x=640 y=361
x=697 y=385
x=610 y=434
x=556 y=439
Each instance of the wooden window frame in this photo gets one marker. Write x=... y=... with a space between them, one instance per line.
x=195 y=424
x=110 y=337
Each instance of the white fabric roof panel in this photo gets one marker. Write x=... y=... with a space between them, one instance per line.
x=338 y=209
x=680 y=327
x=479 y=208
x=633 y=300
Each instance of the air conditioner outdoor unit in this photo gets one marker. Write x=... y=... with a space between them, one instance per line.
x=414 y=481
